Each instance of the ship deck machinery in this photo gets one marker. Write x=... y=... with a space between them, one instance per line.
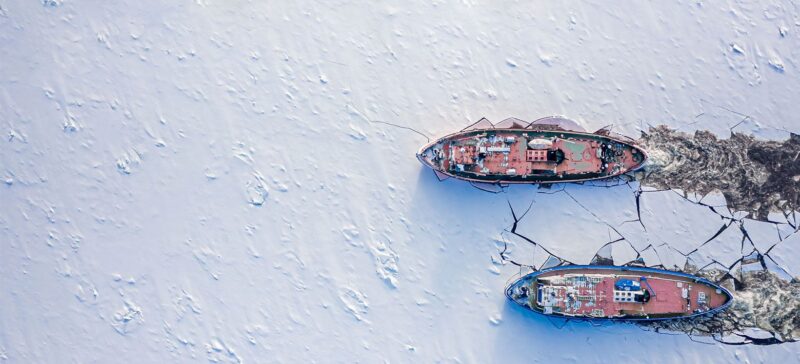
x=536 y=153
x=618 y=293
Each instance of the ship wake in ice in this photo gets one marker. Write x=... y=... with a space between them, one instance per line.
x=754 y=175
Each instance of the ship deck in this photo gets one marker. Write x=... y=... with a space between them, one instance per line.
x=488 y=155
x=590 y=293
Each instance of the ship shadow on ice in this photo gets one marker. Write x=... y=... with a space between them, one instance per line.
x=554 y=334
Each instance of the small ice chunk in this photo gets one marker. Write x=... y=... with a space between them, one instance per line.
x=354 y=302
x=777 y=64
x=128 y=160
x=128 y=318
x=385 y=262
x=257 y=193
x=70 y=124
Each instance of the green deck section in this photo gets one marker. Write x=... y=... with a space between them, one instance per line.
x=576 y=160
x=576 y=150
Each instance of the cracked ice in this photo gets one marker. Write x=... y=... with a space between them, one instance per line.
x=748 y=253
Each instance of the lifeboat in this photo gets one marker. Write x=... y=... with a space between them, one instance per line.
x=548 y=150
x=617 y=293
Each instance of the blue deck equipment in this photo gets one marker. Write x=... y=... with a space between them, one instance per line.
x=627 y=285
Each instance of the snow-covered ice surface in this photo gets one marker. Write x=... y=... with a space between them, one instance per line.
x=199 y=181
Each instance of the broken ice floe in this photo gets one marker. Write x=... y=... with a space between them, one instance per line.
x=766 y=307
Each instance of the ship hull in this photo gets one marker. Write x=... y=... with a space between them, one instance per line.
x=670 y=295
x=586 y=156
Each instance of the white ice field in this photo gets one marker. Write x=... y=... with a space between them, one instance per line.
x=198 y=181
